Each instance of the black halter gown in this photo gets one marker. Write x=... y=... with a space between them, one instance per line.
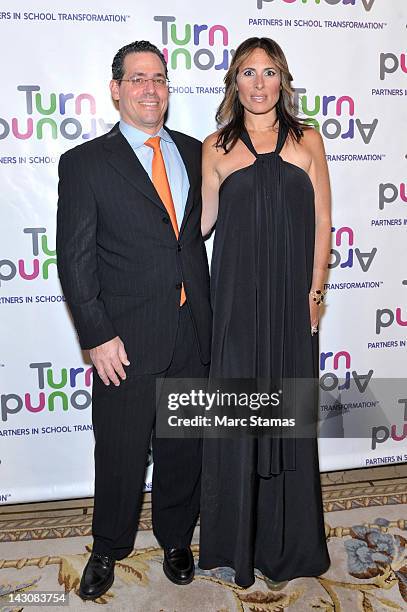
x=261 y=498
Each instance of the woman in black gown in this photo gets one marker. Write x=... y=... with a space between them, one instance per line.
x=266 y=186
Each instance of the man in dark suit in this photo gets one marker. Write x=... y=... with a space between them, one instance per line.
x=134 y=271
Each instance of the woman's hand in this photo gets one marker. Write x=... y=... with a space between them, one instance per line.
x=314 y=312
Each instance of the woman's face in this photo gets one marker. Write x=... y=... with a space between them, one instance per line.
x=258 y=83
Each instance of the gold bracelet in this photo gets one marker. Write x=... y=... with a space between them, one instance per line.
x=318 y=296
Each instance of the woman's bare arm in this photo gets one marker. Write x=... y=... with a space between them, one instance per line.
x=210 y=184
x=319 y=176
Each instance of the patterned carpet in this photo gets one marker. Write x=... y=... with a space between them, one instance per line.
x=366 y=527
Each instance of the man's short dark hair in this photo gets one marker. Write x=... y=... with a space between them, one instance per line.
x=138 y=46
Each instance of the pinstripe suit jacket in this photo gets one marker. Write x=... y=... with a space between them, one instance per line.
x=119 y=261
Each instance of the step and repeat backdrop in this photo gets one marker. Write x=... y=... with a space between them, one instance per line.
x=349 y=61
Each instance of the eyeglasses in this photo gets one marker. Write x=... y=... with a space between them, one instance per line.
x=139 y=81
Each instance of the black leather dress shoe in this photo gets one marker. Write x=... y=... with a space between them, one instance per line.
x=179 y=565
x=97 y=577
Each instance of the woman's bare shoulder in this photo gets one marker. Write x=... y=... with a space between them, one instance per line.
x=209 y=144
x=312 y=139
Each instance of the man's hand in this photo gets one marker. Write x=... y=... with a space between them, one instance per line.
x=108 y=359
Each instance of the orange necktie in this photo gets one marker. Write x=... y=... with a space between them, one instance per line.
x=160 y=182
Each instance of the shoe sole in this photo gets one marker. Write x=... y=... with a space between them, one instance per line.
x=102 y=592
x=177 y=581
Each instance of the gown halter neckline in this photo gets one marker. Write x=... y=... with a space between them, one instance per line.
x=281 y=138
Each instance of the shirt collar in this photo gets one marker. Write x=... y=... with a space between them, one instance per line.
x=136 y=138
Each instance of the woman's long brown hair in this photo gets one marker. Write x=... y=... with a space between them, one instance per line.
x=230 y=114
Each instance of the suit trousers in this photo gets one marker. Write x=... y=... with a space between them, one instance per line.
x=124 y=423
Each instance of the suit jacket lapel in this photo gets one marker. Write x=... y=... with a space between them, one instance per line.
x=125 y=161
x=188 y=162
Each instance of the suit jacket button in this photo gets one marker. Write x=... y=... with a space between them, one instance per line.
x=179 y=248
x=165 y=220
x=178 y=286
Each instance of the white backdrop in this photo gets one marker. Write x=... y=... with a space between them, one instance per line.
x=348 y=58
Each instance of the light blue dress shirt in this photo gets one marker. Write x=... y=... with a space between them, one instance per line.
x=174 y=165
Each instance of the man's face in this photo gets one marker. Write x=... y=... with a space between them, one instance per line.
x=142 y=106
